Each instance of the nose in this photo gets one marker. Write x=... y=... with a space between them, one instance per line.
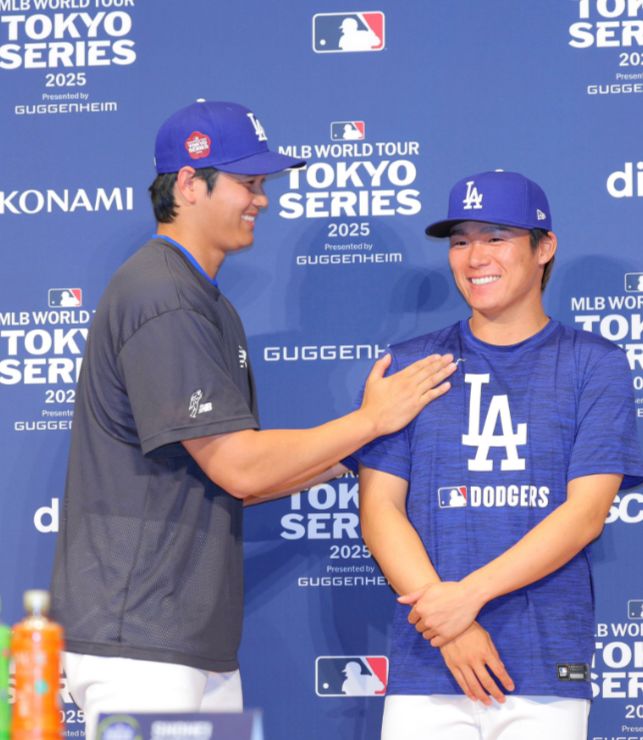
x=478 y=255
x=260 y=199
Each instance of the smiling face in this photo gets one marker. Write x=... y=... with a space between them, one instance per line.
x=496 y=270
x=229 y=212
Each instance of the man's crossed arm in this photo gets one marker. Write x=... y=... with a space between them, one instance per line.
x=443 y=610
x=445 y=613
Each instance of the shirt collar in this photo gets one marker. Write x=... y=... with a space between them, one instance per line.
x=190 y=256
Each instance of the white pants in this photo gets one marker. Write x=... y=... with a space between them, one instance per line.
x=441 y=717
x=102 y=685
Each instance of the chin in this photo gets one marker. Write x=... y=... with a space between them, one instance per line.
x=486 y=307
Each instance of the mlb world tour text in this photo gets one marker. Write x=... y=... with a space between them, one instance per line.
x=77 y=39
x=598 y=314
x=359 y=188
x=617 y=670
x=42 y=356
x=608 y=23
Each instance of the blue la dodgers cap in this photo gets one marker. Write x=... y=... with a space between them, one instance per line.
x=499 y=197
x=226 y=136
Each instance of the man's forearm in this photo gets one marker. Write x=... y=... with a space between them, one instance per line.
x=445 y=610
x=547 y=547
x=335 y=472
x=404 y=560
x=391 y=537
x=248 y=462
x=396 y=546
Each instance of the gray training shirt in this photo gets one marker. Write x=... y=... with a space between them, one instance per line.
x=149 y=560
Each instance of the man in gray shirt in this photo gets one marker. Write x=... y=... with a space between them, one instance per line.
x=166 y=447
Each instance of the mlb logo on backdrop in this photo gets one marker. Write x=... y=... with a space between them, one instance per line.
x=452 y=497
x=65 y=297
x=634 y=282
x=347 y=130
x=351 y=675
x=338 y=32
x=635 y=609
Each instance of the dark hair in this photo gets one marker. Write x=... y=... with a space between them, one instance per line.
x=535 y=237
x=162 y=192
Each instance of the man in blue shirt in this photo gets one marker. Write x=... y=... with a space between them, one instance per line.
x=481 y=510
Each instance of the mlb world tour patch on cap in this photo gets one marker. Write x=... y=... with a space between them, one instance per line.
x=198 y=145
x=573 y=671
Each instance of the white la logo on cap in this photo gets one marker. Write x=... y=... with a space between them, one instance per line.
x=259 y=129
x=472 y=199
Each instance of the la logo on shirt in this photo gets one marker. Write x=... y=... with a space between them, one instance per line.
x=486 y=439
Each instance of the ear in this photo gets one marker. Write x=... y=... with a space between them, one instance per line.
x=184 y=187
x=547 y=248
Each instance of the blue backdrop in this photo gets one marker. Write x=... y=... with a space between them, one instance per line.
x=390 y=106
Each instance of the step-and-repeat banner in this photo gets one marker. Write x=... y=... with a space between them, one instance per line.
x=390 y=106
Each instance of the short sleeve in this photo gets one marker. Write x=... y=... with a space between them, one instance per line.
x=606 y=434
x=391 y=453
x=181 y=381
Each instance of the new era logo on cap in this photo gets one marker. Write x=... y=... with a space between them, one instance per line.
x=356 y=675
x=347 y=130
x=339 y=32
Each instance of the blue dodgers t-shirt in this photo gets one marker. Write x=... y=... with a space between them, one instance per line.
x=485 y=464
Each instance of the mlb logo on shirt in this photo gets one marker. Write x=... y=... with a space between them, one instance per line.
x=452 y=497
x=337 y=32
x=65 y=297
x=635 y=609
x=351 y=675
x=634 y=282
x=573 y=671
x=347 y=130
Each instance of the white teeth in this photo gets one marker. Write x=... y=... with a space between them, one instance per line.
x=248 y=218
x=485 y=280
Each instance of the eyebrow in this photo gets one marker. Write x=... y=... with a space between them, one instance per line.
x=246 y=177
x=455 y=231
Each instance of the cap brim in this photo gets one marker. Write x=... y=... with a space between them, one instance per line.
x=441 y=229
x=265 y=163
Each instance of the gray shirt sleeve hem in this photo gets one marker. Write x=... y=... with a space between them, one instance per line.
x=172 y=436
